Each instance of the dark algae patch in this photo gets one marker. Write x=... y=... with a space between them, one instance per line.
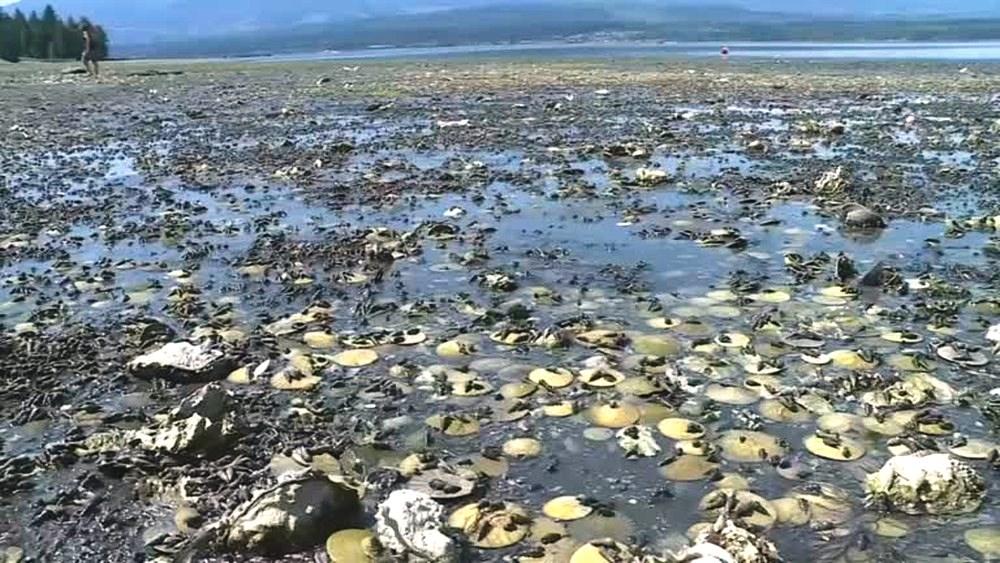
x=536 y=311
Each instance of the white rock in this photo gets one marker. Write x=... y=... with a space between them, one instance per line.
x=833 y=181
x=993 y=335
x=444 y=124
x=677 y=380
x=13 y=554
x=727 y=542
x=182 y=361
x=650 y=176
x=706 y=553
x=927 y=483
x=637 y=441
x=454 y=212
x=725 y=538
x=408 y=523
x=596 y=362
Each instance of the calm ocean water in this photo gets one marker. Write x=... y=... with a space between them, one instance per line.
x=951 y=51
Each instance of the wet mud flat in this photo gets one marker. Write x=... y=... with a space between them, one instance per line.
x=591 y=311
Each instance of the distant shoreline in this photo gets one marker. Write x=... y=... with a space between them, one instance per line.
x=981 y=50
x=549 y=23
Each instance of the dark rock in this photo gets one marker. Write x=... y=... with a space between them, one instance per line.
x=860 y=217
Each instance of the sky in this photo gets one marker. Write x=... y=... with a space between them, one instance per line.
x=945 y=3
x=6 y=2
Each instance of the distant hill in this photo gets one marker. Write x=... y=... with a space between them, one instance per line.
x=148 y=20
x=207 y=27
x=137 y=21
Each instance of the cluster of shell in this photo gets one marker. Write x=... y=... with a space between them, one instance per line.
x=662 y=392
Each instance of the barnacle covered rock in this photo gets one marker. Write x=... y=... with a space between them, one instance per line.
x=927 y=483
x=725 y=541
x=637 y=441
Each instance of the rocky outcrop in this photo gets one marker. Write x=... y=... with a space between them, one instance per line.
x=201 y=423
x=183 y=362
x=299 y=512
x=408 y=524
x=926 y=483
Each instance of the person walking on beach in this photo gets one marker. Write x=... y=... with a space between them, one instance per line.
x=90 y=52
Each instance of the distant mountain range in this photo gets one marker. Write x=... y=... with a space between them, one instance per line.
x=237 y=26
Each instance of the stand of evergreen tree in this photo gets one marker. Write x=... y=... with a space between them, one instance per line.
x=47 y=36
